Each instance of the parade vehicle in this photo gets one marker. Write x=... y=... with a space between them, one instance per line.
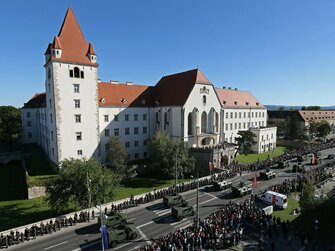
x=182 y=211
x=241 y=189
x=301 y=158
x=283 y=164
x=173 y=200
x=267 y=175
x=121 y=232
x=297 y=168
x=220 y=186
x=113 y=219
x=273 y=198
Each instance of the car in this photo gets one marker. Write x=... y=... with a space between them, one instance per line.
x=173 y=200
x=183 y=211
x=113 y=219
x=121 y=232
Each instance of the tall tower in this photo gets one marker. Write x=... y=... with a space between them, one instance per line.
x=71 y=94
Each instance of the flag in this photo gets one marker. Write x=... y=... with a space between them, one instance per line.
x=104 y=236
x=254 y=181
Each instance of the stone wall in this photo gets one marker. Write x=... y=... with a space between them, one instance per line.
x=35 y=192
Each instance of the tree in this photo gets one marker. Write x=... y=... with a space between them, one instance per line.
x=76 y=177
x=116 y=157
x=308 y=200
x=313 y=128
x=164 y=153
x=245 y=141
x=293 y=129
x=323 y=129
x=10 y=124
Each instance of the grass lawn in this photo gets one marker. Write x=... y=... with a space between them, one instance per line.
x=262 y=156
x=285 y=214
x=21 y=212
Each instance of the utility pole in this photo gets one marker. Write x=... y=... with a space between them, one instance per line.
x=89 y=189
x=197 y=213
x=101 y=219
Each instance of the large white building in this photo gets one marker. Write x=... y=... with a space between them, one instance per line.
x=77 y=113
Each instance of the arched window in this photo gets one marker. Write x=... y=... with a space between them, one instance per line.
x=216 y=122
x=204 y=99
x=166 y=121
x=204 y=122
x=76 y=72
x=189 y=124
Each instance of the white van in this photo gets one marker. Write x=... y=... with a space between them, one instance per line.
x=275 y=199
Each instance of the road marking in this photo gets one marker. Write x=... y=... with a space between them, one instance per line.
x=195 y=197
x=160 y=211
x=211 y=195
x=87 y=246
x=144 y=236
x=131 y=219
x=208 y=200
x=164 y=212
x=145 y=224
x=136 y=248
x=177 y=222
x=56 y=245
x=126 y=244
x=183 y=224
x=86 y=234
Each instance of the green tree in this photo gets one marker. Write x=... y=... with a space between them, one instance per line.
x=10 y=124
x=313 y=128
x=293 y=129
x=307 y=199
x=323 y=129
x=70 y=189
x=116 y=157
x=163 y=155
x=245 y=141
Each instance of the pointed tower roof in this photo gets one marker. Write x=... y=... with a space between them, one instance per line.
x=56 y=44
x=173 y=90
x=90 y=49
x=73 y=44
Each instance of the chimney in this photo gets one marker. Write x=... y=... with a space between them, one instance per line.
x=129 y=83
x=114 y=82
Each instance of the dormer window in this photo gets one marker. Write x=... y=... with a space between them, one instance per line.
x=247 y=103
x=224 y=102
x=124 y=101
x=235 y=102
x=257 y=104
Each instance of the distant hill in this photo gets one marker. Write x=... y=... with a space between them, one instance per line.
x=287 y=107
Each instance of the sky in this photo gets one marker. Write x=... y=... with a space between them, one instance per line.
x=281 y=51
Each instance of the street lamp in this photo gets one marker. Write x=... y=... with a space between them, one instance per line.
x=88 y=180
x=197 y=204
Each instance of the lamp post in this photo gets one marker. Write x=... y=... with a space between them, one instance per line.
x=197 y=213
x=88 y=180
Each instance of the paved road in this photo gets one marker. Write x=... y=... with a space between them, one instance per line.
x=152 y=220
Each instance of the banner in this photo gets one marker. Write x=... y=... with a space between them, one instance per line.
x=104 y=236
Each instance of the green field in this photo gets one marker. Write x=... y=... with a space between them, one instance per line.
x=286 y=213
x=253 y=157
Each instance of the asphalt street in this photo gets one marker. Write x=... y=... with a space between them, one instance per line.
x=151 y=219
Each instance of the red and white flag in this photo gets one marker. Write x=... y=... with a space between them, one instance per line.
x=254 y=181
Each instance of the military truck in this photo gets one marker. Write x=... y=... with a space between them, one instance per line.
x=113 y=219
x=121 y=232
x=283 y=164
x=180 y=212
x=241 y=189
x=267 y=175
x=297 y=168
x=173 y=200
x=223 y=185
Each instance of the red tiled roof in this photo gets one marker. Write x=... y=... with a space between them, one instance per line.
x=173 y=90
x=317 y=115
x=237 y=99
x=56 y=44
x=73 y=44
x=125 y=95
x=90 y=49
x=37 y=101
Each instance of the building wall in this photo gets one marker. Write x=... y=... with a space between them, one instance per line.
x=235 y=120
x=266 y=139
x=29 y=125
x=132 y=125
x=63 y=111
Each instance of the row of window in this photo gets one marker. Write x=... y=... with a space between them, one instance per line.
x=76 y=73
x=267 y=137
x=245 y=114
x=126 y=131
x=126 y=117
x=244 y=125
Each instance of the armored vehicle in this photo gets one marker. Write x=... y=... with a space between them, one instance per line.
x=241 y=189
x=113 y=219
x=301 y=158
x=282 y=164
x=120 y=233
x=267 y=175
x=180 y=212
x=173 y=200
x=219 y=186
